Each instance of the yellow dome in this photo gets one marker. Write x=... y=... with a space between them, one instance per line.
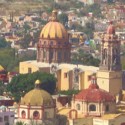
x=37 y=97
x=54 y=30
x=1 y=68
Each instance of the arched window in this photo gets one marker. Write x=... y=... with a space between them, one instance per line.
x=107 y=108
x=36 y=115
x=23 y=114
x=59 y=56
x=51 y=55
x=51 y=43
x=92 y=107
x=44 y=42
x=78 y=106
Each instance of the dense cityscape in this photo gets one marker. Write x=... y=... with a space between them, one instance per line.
x=62 y=62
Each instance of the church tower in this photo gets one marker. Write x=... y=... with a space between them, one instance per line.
x=53 y=45
x=109 y=76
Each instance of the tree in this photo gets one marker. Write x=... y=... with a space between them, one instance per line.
x=2 y=88
x=10 y=60
x=23 y=83
x=26 y=27
x=93 y=8
x=26 y=40
x=63 y=18
x=84 y=58
x=20 y=123
x=3 y=43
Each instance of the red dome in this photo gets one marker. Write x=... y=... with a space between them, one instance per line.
x=94 y=94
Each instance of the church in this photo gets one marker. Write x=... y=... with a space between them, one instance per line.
x=96 y=103
x=54 y=56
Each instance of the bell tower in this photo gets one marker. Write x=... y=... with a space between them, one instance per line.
x=109 y=76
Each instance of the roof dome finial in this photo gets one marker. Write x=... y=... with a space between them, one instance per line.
x=37 y=84
x=54 y=15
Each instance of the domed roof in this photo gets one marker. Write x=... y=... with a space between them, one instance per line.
x=37 y=97
x=1 y=68
x=54 y=29
x=94 y=94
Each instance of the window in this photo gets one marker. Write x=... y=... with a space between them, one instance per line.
x=78 y=106
x=1 y=119
x=65 y=75
x=36 y=115
x=44 y=42
x=89 y=77
x=46 y=115
x=107 y=108
x=23 y=114
x=44 y=54
x=92 y=108
x=6 y=118
x=59 y=56
x=51 y=55
x=29 y=70
x=51 y=43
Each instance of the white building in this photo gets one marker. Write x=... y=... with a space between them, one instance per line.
x=6 y=116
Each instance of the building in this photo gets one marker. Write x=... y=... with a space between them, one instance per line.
x=6 y=116
x=53 y=45
x=94 y=101
x=53 y=56
x=109 y=75
x=93 y=106
x=36 y=106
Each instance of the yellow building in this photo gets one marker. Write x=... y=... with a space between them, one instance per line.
x=69 y=76
x=53 y=56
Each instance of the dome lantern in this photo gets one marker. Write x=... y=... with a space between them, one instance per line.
x=54 y=16
x=37 y=84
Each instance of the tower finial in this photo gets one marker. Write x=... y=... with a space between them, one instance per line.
x=54 y=15
x=111 y=28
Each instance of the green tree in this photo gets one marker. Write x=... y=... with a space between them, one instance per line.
x=84 y=58
x=9 y=59
x=26 y=27
x=63 y=18
x=3 y=43
x=2 y=88
x=20 y=123
x=26 y=40
x=23 y=83
x=93 y=8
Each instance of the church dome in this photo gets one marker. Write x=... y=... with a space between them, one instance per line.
x=1 y=68
x=54 y=29
x=37 y=97
x=94 y=94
